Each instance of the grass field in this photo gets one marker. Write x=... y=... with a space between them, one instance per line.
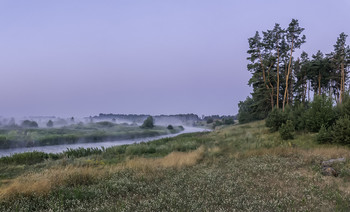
x=241 y=167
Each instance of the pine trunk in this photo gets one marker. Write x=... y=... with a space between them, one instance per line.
x=264 y=77
x=342 y=90
x=319 y=83
x=278 y=79
x=287 y=77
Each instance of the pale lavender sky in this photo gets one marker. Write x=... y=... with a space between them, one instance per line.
x=80 y=58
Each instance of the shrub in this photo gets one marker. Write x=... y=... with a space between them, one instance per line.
x=298 y=116
x=320 y=113
x=343 y=108
x=105 y=124
x=324 y=135
x=29 y=124
x=228 y=121
x=246 y=112
x=210 y=120
x=341 y=131
x=275 y=119
x=82 y=152
x=170 y=127
x=287 y=130
x=4 y=143
x=49 y=123
x=148 y=123
x=218 y=123
x=28 y=158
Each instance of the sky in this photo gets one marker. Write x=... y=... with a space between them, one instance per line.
x=85 y=57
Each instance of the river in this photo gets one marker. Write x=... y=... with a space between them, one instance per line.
x=106 y=144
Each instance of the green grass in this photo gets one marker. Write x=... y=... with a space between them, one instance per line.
x=242 y=168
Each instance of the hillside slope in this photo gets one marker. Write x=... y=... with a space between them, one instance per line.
x=242 y=167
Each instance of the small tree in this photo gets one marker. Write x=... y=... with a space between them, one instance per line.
x=170 y=127
x=320 y=113
x=148 y=123
x=341 y=131
x=228 y=121
x=275 y=119
x=287 y=130
x=210 y=120
x=324 y=135
x=49 y=123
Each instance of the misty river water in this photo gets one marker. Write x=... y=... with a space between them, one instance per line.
x=63 y=147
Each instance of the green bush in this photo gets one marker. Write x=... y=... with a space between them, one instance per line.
x=324 y=135
x=4 y=143
x=218 y=123
x=343 y=108
x=29 y=124
x=287 y=130
x=275 y=119
x=170 y=127
x=148 y=123
x=320 y=113
x=140 y=149
x=49 y=123
x=27 y=158
x=341 y=131
x=104 y=124
x=82 y=152
x=228 y=121
x=246 y=111
x=298 y=116
x=210 y=120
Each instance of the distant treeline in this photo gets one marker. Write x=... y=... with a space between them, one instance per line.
x=142 y=117
x=218 y=117
x=184 y=118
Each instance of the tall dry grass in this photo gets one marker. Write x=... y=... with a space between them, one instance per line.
x=173 y=160
x=43 y=182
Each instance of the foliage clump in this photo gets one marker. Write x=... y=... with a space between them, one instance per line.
x=148 y=123
x=275 y=119
x=324 y=135
x=29 y=124
x=320 y=113
x=210 y=120
x=341 y=131
x=49 y=123
x=248 y=112
x=287 y=130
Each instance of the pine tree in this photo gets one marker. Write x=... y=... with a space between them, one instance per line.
x=340 y=59
x=301 y=67
x=294 y=41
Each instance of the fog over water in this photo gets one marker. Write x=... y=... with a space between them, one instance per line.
x=105 y=144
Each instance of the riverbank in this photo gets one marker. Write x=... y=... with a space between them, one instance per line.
x=99 y=145
x=241 y=167
x=19 y=137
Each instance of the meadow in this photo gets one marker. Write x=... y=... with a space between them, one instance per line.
x=233 y=168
